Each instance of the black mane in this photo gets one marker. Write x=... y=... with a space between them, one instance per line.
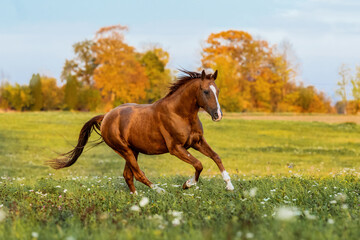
x=183 y=79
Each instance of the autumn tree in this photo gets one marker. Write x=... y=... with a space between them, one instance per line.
x=355 y=82
x=71 y=91
x=225 y=51
x=52 y=94
x=255 y=76
x=284 y=65
x=89 y=99
x=17 y=97
x=154 y=61
x=254 y=67
x=36 y=93
x=119 y=75
x=82 y=66
x=345 y=76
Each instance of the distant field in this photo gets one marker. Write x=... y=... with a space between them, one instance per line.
x=327 y=118
x=255 y=147
x=303 y=166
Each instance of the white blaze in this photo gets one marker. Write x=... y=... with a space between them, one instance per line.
x=217 y=102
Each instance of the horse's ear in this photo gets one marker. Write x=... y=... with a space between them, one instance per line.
x=214 y=76
x=203 y=75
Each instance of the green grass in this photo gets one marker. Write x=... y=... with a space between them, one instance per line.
x=311 y=168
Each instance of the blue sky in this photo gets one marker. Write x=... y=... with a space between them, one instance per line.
x=37 y=36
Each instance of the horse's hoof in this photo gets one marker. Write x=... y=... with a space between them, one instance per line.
x=185 y=186
x=230 y=187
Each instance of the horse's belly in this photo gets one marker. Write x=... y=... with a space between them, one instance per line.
x=147 y=139
x=149 y=146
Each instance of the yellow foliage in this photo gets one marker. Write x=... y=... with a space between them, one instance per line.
x=254 y=76
x=119 y=75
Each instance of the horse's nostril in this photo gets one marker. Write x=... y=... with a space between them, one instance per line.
x=216 y=115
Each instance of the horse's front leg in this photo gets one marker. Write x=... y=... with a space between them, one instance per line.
x=180 y=152
x=203 y=147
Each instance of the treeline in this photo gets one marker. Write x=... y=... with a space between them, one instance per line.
x=352 y=81
x=106 y=72
x=254 y=76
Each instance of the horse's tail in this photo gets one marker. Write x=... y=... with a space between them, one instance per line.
x=69 y=158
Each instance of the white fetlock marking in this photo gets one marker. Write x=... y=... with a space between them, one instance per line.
x=227 y=179
x=229 y=186
x=191 y=182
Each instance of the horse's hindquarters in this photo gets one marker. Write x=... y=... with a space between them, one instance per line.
x=133 y=126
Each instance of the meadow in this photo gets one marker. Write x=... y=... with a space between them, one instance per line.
x=293 y=180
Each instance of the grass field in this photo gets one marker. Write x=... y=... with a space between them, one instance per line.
x=293 y=180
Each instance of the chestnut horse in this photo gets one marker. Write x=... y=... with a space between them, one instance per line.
x=170 y=124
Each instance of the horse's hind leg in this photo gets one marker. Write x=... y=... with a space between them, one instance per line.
x=133 y=166
x=129 y=178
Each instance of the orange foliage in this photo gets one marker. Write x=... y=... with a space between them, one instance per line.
x=119 y=75
x=253 y=76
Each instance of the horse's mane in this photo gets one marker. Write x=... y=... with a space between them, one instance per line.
x=183 y=79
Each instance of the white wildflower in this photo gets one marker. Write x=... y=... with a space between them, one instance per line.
x=2 y=215
x=175 y=213
x=286 y=213
x=158 y=189
x=266 y=199
x=341 y=197
x=238 y=234
x=344 y=206
x=70 y=238
x=174 y=185
x=330 y=221
x=144 y=201
x=252 y=192
x=135 y=208
x=249 y=235
x=35 y=234
x=188 y=194
x=309 y=216
x=333 y=202
x=58 y=186
x=176 y=222
x=156 y=217
x=1 y=205
x=65 y=190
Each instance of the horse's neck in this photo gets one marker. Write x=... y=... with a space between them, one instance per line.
x=184 y=102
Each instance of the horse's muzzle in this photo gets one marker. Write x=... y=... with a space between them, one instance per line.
x=216 y=115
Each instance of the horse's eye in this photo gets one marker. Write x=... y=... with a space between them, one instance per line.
x=206 y=92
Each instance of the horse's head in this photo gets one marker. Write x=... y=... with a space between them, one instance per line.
x=208 y=96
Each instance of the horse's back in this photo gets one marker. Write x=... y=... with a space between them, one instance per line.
x=135 y=126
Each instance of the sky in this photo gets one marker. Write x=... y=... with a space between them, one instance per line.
x=37 y=36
